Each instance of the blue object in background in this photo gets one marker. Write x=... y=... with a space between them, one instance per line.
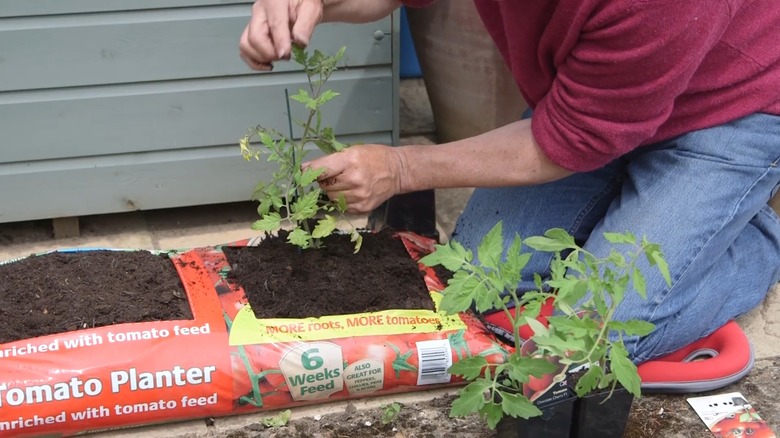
x=410 y=66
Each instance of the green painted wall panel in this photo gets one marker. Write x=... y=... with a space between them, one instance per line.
x=61 y=188
x=125 y=47
x=184 y=114
x=15 y=8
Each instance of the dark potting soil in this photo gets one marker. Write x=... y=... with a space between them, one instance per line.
x=60 y=292
x=282 y=281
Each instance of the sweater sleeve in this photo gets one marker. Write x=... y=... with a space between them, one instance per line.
x=618 y=84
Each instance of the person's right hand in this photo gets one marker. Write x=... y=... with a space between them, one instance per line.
x=274 y=26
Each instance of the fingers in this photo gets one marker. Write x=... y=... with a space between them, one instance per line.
x=278 y=19
x=308 y=15
x=256 y=47
x=365 y=175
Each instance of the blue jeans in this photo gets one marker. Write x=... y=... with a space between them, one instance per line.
x=702 y=196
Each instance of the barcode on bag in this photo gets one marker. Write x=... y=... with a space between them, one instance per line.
x=434 y=359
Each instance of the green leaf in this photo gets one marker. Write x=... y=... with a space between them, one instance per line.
x=304 y=98
x=305 y=207
x=469 y=368
x=632 y=328
x=324 y=227
x=266 y=139
x=471 y=398
x=341 y=202
x=523 y=366
x=589 y=381
x=491 y=247
x=299 y=237
x=627 y=238
x=518 y=406
x=559 y=344
x=455 y=300
x=538 y=328
x=356 y=238
x=516 y=260
x=573 y=326
x=491 y=414
x=309 y=175
x=278 y=420
x=450 y=255
x=624 y=370
x=326 y=96
x=270 y=222
x=554 y=240
x=640 y=285
x=299 y=55
x=340 y=54
x=656 y=258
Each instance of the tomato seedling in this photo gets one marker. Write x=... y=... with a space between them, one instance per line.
x=585 y=291
x=291 y=196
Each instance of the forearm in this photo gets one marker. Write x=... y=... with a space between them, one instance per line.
x=507 y=156
x=357 y=11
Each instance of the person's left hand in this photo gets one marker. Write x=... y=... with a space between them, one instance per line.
x=366 y=175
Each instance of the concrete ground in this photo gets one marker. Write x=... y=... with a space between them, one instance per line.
x=209 y=225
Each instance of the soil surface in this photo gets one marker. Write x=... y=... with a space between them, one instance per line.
x=59 y=292
x=652 y=415
x=282 y=281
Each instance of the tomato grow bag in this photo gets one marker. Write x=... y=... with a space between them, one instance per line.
x=225 y=361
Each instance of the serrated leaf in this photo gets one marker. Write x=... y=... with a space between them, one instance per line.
x=589 y=380
x=491 y=247
x=302 y=96
x=573 y=326
x=299 y=55
x=299 y=237
x=627 y=238
x=455 y=301
x=278 y=420
x=324 y=227
x=326 y=96
x=491 y=414
x=341 y=202
x=640 y=285
x=340 y=54
x=533 y=366
x=545 y=244
x=656 y=258
x=518 y=406
x=516 y=260
x=538 y=328
x=624 y=370
x=446 y=255
x=309 y=175
x=469 y=368
x=305 y=207
x=470 y=399
x=356 y=238
x=632 y=328
x=270 y=222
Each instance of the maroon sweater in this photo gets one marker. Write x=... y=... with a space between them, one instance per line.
x=607 y=76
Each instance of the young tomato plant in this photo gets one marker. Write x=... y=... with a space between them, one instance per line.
x=291 y=196
x=585 y=290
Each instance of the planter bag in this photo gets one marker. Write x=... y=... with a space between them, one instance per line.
x=225 y=361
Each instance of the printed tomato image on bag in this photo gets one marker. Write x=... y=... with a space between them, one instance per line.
x=218 y=357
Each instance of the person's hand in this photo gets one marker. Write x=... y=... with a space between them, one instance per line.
x=366 y=175
x=274 y=26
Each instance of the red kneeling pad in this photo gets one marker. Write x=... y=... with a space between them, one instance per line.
x=710 y=363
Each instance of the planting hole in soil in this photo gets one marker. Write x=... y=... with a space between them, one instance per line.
x=283 y=281
x=59 y=292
